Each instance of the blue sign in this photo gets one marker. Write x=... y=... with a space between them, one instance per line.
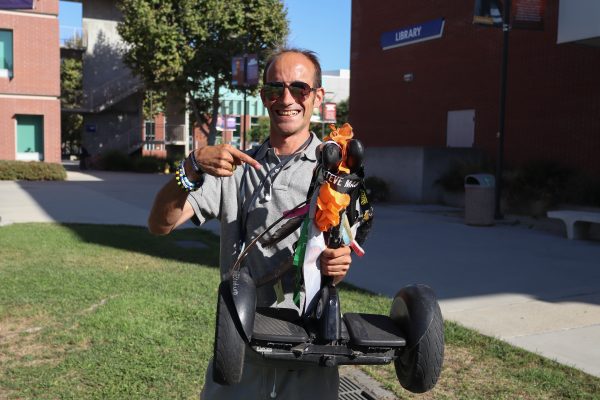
x=413 y=34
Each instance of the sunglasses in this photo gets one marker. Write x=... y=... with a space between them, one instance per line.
x=274 y=90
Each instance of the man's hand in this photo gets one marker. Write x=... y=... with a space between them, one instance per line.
x=221 y=160
x=335 y=262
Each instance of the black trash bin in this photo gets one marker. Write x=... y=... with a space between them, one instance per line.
x=479 y=199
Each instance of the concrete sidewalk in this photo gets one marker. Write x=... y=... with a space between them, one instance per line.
x=532 y=288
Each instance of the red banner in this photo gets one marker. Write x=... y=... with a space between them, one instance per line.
x=329 y=112
x=528 y=14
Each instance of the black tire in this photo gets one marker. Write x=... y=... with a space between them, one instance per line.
x=228 y=359
x=419 y=366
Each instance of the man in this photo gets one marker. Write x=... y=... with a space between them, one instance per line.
x=272 y=179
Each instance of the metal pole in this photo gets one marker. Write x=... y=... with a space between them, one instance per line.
x=243 y=130
x=500 y=136
x=243 y=119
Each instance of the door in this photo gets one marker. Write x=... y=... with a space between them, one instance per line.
x=461 y=128
x=30 y=137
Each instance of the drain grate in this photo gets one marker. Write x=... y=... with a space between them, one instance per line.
x=350 y=390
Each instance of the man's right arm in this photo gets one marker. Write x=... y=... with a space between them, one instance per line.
x=171 y=208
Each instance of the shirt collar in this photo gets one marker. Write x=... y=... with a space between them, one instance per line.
x=308 y=153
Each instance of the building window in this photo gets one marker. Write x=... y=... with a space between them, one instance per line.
x=30 y=137
x=150 y=131
x=6 y=54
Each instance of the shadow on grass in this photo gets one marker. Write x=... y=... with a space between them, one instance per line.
x=139 y=240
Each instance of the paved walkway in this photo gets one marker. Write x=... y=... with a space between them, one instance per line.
x=532 y=288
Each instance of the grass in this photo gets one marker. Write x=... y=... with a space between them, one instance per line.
x=113 y=312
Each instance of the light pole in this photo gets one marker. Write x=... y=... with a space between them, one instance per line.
x=501 y=123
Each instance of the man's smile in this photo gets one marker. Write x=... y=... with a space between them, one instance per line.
x=287 y=113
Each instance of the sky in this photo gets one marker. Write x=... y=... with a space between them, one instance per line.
x=322 y=26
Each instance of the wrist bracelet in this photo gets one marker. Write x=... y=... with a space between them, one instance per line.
x=183 y=181
x=195 y=164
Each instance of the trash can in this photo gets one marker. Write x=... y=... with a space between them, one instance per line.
x=479 y=199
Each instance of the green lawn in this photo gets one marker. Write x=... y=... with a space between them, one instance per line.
x=114 y=313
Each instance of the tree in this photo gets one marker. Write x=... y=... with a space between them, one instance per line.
x=186 y=46
x=260 y=131
x=71 y=96
x=342 y=112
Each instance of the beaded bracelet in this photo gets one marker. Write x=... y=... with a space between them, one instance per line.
x=195 y=164
x=183 y=181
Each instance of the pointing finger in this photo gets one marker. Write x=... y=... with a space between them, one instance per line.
x=240 y=157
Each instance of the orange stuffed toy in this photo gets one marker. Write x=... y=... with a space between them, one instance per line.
x=330 y=202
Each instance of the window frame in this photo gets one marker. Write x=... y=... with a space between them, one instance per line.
x=9 y=68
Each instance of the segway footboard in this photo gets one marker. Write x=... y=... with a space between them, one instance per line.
x=365 y=339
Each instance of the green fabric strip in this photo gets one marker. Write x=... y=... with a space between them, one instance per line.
x=299 y=259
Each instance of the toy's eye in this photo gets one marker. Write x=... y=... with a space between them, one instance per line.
x=355 y=153
x=331 y=156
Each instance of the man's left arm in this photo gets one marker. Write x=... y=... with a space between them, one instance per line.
x=336 y=262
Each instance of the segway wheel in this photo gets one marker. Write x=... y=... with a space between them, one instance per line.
x=228 y=359
x=419 y=367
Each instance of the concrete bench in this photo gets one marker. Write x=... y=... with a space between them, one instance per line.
x=577 y=222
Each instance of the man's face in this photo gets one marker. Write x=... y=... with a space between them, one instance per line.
x=290 y=114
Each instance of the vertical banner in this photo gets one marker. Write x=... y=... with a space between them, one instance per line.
x=487 y=12
x=237 y=71
x=252 y=70
x=244 y=71
x=528 y=14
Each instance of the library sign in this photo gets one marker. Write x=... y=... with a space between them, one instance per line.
x=413 y=34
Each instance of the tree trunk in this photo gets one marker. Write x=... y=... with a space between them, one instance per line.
x=200 y=119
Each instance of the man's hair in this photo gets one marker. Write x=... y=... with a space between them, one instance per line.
x=311 y=55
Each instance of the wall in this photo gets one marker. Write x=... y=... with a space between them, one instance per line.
x=35 y=85
x=102 y=59
x=412 y=172
x=553 y=102
x=336 y=85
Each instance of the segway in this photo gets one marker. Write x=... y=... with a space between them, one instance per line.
x=411 y=336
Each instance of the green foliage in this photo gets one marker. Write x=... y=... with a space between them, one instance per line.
x=154 y=104
x=115 y=160
x=583 y=190
x=71 y=82
x=148 y=164
x=543 y=181
x=377 y=189
x=342 y=112
x=260 y=132
x=453 y=180
x=186 y=46
x=31 y=171
x=540 y=185
x=71 y=96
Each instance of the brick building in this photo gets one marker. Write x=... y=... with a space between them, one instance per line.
x=441 y=96
x=29 y=81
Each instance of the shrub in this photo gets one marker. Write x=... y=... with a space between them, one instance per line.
x=31 y=171
x=377 y=189
x=453 y=180
x=148 y=164
x=114 y=160
x=539 y=182
x=583 y=190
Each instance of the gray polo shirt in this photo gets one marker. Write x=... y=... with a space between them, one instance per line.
x=257 y=198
